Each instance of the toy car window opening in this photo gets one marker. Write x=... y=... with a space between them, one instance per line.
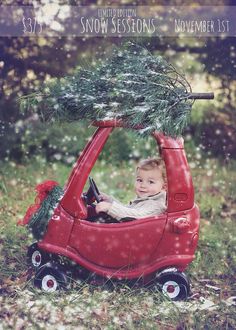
x=91 y=196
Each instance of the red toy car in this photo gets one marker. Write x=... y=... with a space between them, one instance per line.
x=156 y=249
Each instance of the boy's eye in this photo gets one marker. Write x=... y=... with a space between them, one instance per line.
x=151 y=182
x=139 y=180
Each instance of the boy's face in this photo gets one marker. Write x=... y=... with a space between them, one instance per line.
x=148 y=182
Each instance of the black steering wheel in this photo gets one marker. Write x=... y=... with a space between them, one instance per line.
x=92 y=193
x=94 y=189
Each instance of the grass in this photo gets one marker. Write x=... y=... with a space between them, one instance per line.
x=24 y=307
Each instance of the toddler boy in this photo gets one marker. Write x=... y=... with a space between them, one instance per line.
x=150 y=184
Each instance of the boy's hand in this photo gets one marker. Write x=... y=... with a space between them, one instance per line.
x=105 y=197
x=102 y=207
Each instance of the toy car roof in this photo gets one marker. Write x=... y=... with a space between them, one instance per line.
x=163 y=140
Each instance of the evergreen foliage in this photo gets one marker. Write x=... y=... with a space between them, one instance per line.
x=132 y=85
x=39 y=221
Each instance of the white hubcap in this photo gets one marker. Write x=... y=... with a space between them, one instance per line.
x=36 y=259
x=171 y=289
x=49 y=283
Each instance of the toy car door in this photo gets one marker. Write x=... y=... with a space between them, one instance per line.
x=120 y=245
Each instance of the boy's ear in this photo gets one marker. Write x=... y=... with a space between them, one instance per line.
x=164 y=186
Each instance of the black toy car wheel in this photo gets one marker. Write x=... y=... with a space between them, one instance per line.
x=36 y=257
x=174 y=285
x=51 y=277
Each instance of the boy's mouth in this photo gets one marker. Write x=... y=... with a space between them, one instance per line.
x=142 y=192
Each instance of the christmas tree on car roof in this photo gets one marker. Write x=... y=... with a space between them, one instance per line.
x=132 y=85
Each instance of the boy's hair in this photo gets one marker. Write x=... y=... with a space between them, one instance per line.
x=151 y=164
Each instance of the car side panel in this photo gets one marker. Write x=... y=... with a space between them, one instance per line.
x=118 y=245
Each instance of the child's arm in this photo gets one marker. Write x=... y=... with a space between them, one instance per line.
x=120 y=211
x=142 y=209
